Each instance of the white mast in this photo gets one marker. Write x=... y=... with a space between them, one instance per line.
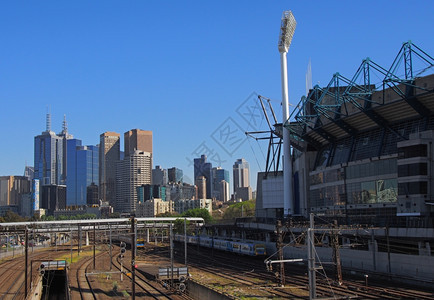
x=287 y=29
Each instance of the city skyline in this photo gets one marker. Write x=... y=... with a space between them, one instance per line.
x=113 y=70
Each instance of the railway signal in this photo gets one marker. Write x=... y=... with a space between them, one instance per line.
x=42 y=269
x=123 y=249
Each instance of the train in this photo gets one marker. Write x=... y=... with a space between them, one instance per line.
x=140 y=242
x=244 y=248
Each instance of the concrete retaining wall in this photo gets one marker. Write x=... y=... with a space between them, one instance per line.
x=197 y=291
x=417 y=268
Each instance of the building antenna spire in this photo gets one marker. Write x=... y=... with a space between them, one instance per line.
x=64 y=125
x=48 y=121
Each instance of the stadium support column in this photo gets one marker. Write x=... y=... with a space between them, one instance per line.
x=287 y=29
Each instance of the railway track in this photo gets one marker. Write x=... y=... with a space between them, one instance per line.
x=12 y=274
x=234 y=266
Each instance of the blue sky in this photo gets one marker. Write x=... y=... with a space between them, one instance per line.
x=187 y=70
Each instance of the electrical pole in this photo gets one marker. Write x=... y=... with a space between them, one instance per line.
x=279 y=245
x=27 y=261
x=171 y=255
x=311 y=259
x=336 y=253
x=94 y=245
x=133 y=255
x=185 y=240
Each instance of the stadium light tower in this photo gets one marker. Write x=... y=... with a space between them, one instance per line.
x=287 y=28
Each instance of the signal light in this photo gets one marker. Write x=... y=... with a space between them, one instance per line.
x=123 y=250
x=42 y=269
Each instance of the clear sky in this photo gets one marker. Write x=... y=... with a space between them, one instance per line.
x=187 y=70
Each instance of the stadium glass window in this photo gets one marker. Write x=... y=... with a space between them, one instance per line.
x=323 y=157
x=413 y=169
x=387 y=190
x=413 y=188
x=412 y=151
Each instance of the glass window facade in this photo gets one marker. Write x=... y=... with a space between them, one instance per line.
x=82 y=171
x=413 y=188
x=375 y=191
x=413 y=169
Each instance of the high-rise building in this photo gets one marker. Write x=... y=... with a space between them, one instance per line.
x=133 y=171
x=202 y=168
x=201 y=187
x=137 y=139
x=175 y=175
x=50 y=155
x=148 y=191
x=178 y=191
x=53 y=198
x=12 y=188
x=225 y=194
x=159 y=176
x=109 y=156
x=218 y=174
x=92 y=194
x=241 y=175
x=82 y=171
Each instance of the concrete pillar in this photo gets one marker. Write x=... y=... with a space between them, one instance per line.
x=87 y=238
x=267 y=237
x=147 y=235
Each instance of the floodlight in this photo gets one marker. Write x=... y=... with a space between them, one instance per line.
x=287 y=28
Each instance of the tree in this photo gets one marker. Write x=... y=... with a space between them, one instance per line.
x=10 y=217
x=198 y=213
x=241 y=209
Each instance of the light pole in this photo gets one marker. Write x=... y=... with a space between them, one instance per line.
x=287 y=28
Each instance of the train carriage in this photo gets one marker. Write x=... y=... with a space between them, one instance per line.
x=205 y=242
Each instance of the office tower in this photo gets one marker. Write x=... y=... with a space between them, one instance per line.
x=92 y=194
x=175 y=175
x=29 y=172
x=53 y=198
x=218 y=174
x=109 y=156
x=148 y=191
x=159 y=176
x=225 y=194
x=133 y=171
x=82 y=171
x=137 y=139
x=241 y=175
x=12 y=188
x=50 y=155
x=178 y=191
x=201 y=187
x=202 y=168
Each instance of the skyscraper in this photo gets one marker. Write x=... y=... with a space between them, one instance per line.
x=133 y=171
x=137 y=139
x=82 y=171
x=50 y=155
x=241 y=175
x=159 y=176
x=175 y=175
x=201 y=187
x=109 y=156
x=218 y=174
x=202 y=168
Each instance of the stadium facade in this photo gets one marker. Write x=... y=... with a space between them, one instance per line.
x=363 y=150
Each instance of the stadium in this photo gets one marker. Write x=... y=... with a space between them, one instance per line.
x=362 y=148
